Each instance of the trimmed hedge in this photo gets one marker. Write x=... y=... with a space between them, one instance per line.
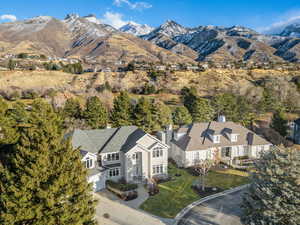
x=121 y=186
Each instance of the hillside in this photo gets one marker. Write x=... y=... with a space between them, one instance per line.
x=207 y=83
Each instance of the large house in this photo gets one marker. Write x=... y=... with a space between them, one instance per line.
x=126 y=153
x=221 y=140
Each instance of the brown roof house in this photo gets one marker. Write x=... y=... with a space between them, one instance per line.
x=225 y=140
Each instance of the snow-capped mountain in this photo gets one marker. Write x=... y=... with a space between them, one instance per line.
x=92 y=18
x=86 y=27
x=213 y=42
x=170 y=29
x=88 y=37
x=290 y=28
x=136 y=29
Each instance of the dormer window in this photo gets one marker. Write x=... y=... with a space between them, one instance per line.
x=233 y=137
x=216 y=139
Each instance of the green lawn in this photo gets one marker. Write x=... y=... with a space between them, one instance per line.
x=177 y=194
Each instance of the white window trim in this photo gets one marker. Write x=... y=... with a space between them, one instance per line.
x=89 y=163
x=109 y=157
x=216 y=139
x=158 y=169
x=114 y=170
x=157 y=152
x=234 y=137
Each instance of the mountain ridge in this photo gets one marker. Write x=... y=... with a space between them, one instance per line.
x=87 y=36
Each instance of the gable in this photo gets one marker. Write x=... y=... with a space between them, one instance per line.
x=89 y=155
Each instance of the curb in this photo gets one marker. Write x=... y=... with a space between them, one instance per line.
x=184 y=211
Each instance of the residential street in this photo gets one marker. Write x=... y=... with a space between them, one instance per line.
x=224 y=210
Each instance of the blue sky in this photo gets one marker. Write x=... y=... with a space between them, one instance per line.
x=257 y=14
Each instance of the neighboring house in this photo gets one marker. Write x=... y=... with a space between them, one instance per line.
x=223 y=140
x=120 y=153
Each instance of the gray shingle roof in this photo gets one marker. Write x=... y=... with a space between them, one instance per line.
x=198 y=136
x=92 y=172
x=107 y=140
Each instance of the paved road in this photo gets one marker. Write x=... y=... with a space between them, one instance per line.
x=224 y=210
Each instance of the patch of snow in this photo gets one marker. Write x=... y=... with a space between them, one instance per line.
x=92 y=19
x=136 y=29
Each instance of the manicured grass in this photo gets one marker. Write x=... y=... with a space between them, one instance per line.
x=177 y=194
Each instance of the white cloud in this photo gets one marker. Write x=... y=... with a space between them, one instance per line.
x=284 y=20
x=133 y=5
x=8 y=17
x=114 y=19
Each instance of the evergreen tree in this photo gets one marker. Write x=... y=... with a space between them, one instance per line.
x=236 y=108
x=9 y=117
x=270 y=101
x=274 y=195
x=161 y=115
x=121 y=113
x=201 y=110
x=42 y=180
x=181 y=116
x=279 y=123
x=72 y=108
x=95 y=114
x=189 y=96
x=142 y=115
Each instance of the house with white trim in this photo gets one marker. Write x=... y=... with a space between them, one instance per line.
x=225 y=141
x=120 y=153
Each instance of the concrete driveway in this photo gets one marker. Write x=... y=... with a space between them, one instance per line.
x=121 y=214
x=224 y=210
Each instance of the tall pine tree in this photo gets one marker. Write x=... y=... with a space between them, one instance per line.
x=96 y=114
x=8 y=122
x=181 y=116
x=42 y=180
x=201 y=110
x=274 y=195
x=121 y=113
x=161 y=115
x=279 y=123
x=142 y=115
x=72 y=109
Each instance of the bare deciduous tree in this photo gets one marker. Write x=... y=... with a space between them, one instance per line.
x=202 y=168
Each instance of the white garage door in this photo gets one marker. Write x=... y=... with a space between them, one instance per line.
x=98 y=182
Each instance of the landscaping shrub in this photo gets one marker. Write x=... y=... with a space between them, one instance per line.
x=121 y=186
x=106 y=215
x=162 y=179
